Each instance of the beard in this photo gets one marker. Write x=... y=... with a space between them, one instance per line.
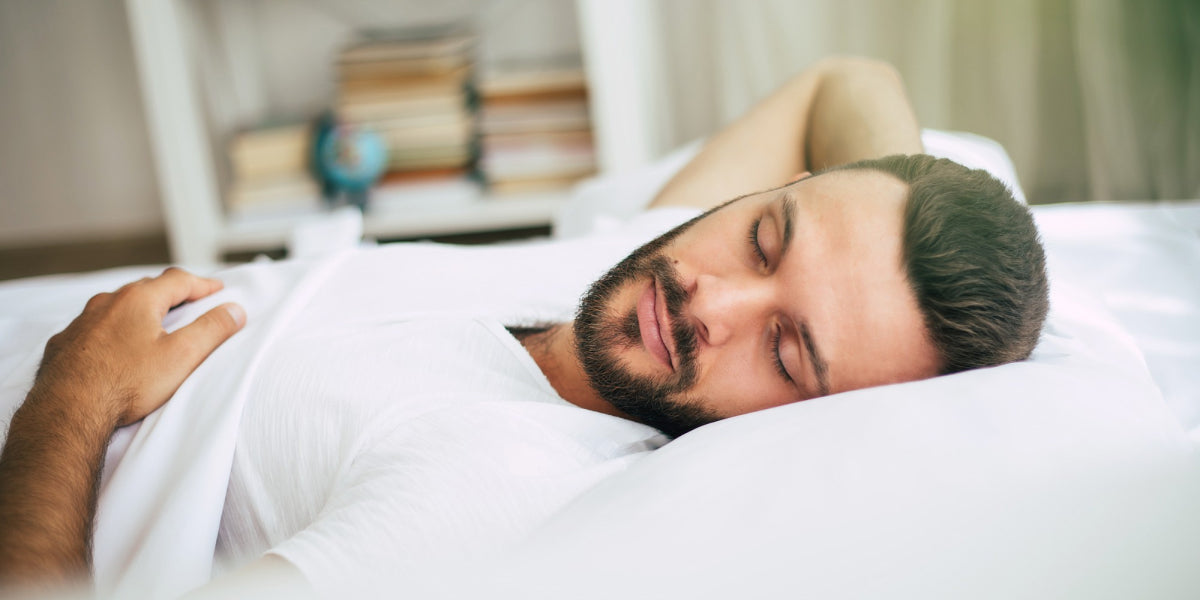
x=601 y=332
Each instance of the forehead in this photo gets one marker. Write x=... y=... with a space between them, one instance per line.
x=845 y=275
x=872 y=200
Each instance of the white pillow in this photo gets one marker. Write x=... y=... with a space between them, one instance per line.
x=1064 y=476
x=976 y=152
x=605 y=202
x=1061 y=477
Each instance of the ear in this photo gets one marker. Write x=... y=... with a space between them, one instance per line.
x=799 y=176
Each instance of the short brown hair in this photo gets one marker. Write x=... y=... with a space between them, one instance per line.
x=973 y=259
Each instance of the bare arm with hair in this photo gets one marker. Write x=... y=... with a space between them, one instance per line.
x=839 y=110
x=112 y=366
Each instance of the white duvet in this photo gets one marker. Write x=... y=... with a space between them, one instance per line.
x=1068 y=476
x=164 y=479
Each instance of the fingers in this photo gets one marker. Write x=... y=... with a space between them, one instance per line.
x=98 y=302
x=198 y=339
x=175 y=286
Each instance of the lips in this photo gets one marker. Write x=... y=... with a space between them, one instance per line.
x=652 y=326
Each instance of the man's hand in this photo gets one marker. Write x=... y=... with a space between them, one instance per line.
x=112 y=366
x=117 y=357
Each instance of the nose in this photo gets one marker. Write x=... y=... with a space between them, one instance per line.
x=723 y=306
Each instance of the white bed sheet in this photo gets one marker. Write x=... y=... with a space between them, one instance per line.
x=1142 y=262
x=164 y=479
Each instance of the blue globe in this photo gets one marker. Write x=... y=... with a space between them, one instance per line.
x=352 y=158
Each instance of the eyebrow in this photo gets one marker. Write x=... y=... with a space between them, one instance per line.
x=818 y=362
x=789 y=217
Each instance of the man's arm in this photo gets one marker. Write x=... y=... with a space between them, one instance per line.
x=112 y=366
x=839 y=110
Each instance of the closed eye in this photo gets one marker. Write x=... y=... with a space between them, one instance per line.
x=753 y=238
x=779 y=358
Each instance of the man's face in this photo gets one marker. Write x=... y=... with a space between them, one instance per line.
x=777 y=297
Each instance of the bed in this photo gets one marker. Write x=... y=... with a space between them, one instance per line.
x=1072 y=475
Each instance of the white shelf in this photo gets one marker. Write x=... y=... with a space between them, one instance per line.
x=616 y=39
x=484 y=214
x=399 y=220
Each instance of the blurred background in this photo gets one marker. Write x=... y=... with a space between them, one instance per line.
x=1093 y=99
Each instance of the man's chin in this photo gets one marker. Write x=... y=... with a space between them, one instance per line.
x=671 y=416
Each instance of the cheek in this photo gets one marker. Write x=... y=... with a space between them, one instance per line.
x=713 y=254
x=732 y=384
x=720 y=232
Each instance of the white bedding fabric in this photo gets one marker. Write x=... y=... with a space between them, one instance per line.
x=1142 y=263
x=350 y=481
x=1064 y=477
x=164 y=481
x=162 y=487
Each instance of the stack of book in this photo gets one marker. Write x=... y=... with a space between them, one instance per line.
x=536 y=133
x=414 y=90
x=270 y=167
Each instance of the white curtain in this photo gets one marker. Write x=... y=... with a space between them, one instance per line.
x=1094 y=99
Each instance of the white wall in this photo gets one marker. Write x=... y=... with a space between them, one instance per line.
x=74 y=152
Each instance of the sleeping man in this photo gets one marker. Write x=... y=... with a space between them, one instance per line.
x=883 y=265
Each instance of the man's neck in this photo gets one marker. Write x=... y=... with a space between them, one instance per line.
x=554 y=352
